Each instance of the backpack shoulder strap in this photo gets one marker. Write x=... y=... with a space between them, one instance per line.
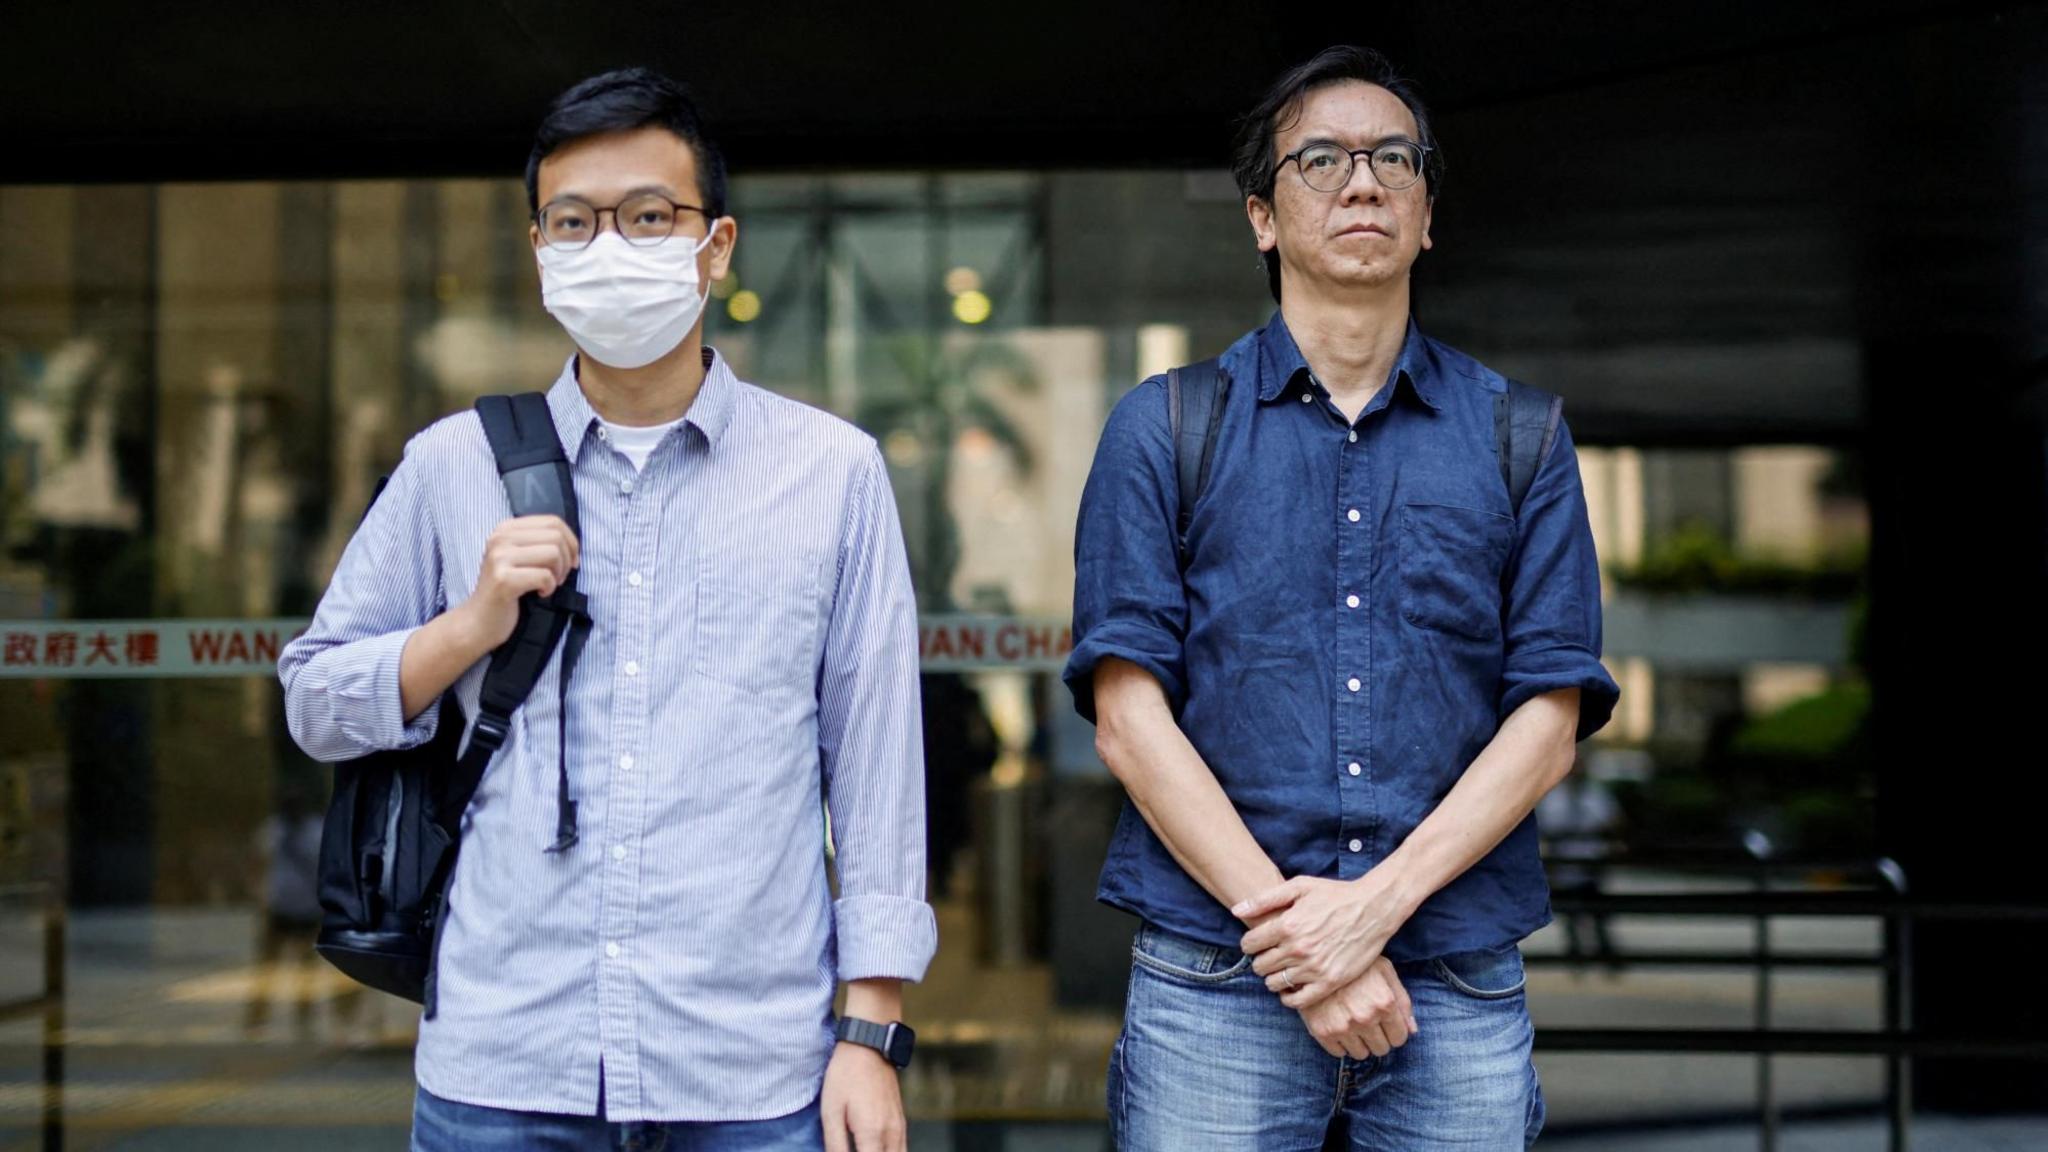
x=1194 y=397
x=1525 y=421
x=530 y=458
x=537 y=481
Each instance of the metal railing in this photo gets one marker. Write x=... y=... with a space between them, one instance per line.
x=49 y=1002
x=1884 y=898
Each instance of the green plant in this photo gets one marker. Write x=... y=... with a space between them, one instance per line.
x=1696 y=559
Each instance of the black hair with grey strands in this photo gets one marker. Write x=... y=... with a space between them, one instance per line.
x=1256 y=166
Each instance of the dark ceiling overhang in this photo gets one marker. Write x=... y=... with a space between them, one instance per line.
x=131 y=90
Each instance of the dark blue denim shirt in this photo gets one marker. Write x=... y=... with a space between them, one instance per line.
x=1361 y=610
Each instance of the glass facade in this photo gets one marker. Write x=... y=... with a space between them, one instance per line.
x=200 y=385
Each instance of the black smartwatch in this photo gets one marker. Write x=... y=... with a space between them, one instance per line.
x=894 y=1040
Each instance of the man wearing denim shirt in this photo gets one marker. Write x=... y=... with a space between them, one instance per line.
x=1334 y=724
x=659 y=969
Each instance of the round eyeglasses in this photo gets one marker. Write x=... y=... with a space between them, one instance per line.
x=571 y=224
x=1326 y=167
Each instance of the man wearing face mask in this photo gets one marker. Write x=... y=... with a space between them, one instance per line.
x=656 y=957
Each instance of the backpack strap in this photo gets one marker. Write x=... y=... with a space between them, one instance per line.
x=1525 y=421
x=537 y=481
x=1194 y=397
x=1525 y=424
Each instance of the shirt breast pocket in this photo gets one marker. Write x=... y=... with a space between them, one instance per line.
x=1451 y=560
x=757 y=623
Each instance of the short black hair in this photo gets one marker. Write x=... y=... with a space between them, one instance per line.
x=620 y=101
x=1252 y=160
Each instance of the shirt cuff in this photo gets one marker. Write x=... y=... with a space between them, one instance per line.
x=884 y=937
x=1141 y=646
x=1555 y=669
x=370 y=708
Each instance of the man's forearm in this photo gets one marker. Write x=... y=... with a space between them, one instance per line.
x=435 y=657
x=877 y=1001
x=1531 y=754
x=1174 y=791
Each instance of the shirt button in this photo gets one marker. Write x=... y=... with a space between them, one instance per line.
x=1353 y=437
x=1358 y=845
x=603 y=434
x=618 y=851
x=1307 y=397
x=1351 y=601
x=633 y=579
x=1353 y=768
x=626 y=486
x=632 y=667
x=1352 y=515
x=612 y=950
x=626 y=762
x=1352 y=683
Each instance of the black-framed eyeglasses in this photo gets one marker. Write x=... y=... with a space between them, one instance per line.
x=648 y=218
x=1326 y=167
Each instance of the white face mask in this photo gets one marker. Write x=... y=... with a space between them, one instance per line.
x=625 y=305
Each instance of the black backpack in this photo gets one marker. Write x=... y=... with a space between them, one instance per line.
x=394 y=825
x=1525 y=421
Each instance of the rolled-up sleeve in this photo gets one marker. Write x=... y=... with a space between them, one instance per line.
x=871 y=743
x=1128 y=599
x=1552 y=607
x=340 y=676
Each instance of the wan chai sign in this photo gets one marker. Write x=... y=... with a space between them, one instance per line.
x=178 y=649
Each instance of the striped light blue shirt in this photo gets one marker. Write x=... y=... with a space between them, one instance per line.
x=752 y=666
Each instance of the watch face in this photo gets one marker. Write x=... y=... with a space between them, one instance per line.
x=901 y=1042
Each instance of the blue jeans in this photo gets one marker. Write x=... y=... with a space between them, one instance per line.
x=447 y=1126
x=1210 y=1061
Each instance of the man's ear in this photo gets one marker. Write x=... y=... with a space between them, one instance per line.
x=725 y=240
x=1264 y=230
